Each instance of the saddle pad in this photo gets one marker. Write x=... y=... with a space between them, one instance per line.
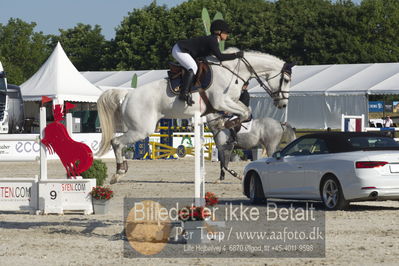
x=205 y=82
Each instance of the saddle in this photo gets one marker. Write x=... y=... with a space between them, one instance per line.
x=202 y=80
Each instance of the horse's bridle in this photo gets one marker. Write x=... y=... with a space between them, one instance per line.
x=285 y=70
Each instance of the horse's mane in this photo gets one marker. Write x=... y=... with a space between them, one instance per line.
x=235 y=49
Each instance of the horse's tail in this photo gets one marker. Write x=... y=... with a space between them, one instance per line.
x=289 y=133
x=108 y=106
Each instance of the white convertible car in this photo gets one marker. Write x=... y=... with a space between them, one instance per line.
x=334 y=167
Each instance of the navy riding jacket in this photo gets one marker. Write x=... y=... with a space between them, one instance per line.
x=204 y=46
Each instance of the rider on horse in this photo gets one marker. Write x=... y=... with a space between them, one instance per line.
x=186 y=51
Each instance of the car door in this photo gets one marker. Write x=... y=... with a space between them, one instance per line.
x=315 y=167
x=286 y=174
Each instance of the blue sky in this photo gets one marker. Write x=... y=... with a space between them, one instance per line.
x=51 y=15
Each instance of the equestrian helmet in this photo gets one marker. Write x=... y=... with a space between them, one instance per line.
x=220 y=25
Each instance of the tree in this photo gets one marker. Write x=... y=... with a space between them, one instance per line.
x=301 y=31
x=84 y=45
x=145 y=38
x=379 y=30
x=314 y=31
x=142 y=39
x=22 y=51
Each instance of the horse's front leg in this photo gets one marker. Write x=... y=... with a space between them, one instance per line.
x=233 y=107
x=245 y=113
x=221 y=158
x=225 y=157
x=222 y=173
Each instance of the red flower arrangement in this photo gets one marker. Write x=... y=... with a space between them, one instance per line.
x=211 y=199
x=101 y=193
x=194 y=213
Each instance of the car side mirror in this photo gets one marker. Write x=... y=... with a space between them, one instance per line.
x=277 y=155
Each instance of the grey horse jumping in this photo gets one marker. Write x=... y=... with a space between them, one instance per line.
x=265 y=132
x=140 y=109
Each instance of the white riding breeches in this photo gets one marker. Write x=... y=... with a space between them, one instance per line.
x=184 y=59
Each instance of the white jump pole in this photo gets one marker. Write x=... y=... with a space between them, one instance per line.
x=199 y=182
x=19 y=137
x=43 y=153
x=69 y=123
x=17 y=158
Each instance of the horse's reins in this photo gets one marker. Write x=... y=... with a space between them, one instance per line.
x=246 y=82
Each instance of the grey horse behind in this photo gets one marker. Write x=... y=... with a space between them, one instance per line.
x=265 y=132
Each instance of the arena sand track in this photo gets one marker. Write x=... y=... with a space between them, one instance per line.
x=366 y=234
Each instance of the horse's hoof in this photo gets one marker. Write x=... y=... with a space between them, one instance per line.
x=121 y=168
x=115 y=178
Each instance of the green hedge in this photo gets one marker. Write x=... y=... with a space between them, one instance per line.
x=98 y=170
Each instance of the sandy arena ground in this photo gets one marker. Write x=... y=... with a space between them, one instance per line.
x=367 y=234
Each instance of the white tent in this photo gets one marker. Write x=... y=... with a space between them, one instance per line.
x=122 y=79
x=319 y=94
x=58 y=79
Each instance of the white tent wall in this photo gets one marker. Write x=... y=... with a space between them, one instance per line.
x=30 y=109
x=320 y=94
x=336 y=106
x=264 y=107
x=323 y=111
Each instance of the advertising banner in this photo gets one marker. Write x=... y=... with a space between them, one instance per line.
x=388 y=107
x=376 y=106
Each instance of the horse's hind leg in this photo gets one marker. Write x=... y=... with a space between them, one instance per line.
x=118 y=143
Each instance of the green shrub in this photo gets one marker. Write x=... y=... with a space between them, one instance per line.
x=98 y=170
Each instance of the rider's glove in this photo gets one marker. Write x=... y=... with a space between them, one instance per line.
x=240 y=54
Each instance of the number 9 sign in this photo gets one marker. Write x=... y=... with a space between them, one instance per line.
x=53 y=194
x=50 y=197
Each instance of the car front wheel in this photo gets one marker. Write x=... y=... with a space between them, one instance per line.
x=332 y=195
x=256 y=194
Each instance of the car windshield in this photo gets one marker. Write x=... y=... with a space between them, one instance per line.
x=2 y=84
x=306 y=146
x=372 y=142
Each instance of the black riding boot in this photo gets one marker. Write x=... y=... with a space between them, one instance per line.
x=185 y=87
